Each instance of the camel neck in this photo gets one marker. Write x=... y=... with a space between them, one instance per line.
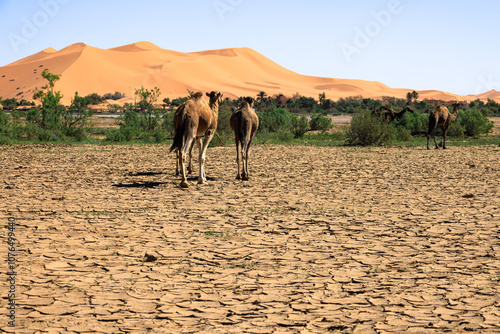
x=214 y=107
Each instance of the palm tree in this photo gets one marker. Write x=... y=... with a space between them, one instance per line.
x=261 y=96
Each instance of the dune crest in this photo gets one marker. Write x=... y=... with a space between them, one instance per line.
x=233 y=71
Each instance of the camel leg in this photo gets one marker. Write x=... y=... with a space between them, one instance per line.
x=247 y=174
x=444 y=138
x=244 y=160
x=238 y=175
x=203 y=152
x=433 y=135
x=182 y=160
x=177 y=153
x=190 y=164
x=432 y=131
x=199 y=143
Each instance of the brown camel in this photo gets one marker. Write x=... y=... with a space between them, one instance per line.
x=244 y=123
x=195 y=119
x=177 y=117
x=441 y=117
x=390 y=114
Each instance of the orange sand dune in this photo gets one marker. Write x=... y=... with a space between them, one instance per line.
x=492 y=94
x=235 y=72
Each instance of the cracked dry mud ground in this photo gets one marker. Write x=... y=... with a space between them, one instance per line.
x=347 y=240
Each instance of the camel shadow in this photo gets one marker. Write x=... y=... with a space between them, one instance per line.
x=145 y=174
x=144 y=184
x=195 y=178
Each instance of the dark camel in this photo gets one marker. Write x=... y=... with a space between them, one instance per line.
x=390 y=114
x=195 y=119
x=441 y=117
x=244 y=123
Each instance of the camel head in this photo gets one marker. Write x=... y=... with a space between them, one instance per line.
x=215 y=98
x=249 y=100
x=408 y=109
x=454 y=115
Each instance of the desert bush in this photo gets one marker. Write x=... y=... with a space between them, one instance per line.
x=474 y=122
x=300 y=125
x=115 y=96
x=470 y=123
x=275 y=120
x=416 y=123
x=367 y=129
x=142 y=121
x=320 y=122
x=5 y=128
x=168 y=124
x=223 y=122
x=93 y=99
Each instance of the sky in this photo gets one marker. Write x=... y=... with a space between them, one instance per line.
x=448 y=45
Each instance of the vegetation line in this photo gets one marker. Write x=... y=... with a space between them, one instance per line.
x=297 y=120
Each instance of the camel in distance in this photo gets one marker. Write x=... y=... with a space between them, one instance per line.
x=390 y=114
x=193 y=119
x=441 y=117
x=244 y=122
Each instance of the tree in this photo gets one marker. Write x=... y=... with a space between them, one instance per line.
x=9 y=104
x=77 y=113
x=261 y=96
x=322 y=97
x=409 y=97
x=414 y=94
x=51 y=103
x=147 y=100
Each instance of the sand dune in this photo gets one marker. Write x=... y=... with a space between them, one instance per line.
x=492 y=94
x=234 y=71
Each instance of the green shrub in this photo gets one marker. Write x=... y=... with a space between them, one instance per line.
x=455 y=129
x=403 y=134
x=320 y=122
x=115 y=135
x=300 y=125
x=274 y=120
x=367 y=129
x=224 y=129
x=416 y=123
x=168 y=124
x=474 y=122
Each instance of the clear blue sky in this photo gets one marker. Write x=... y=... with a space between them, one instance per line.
x=450 y=45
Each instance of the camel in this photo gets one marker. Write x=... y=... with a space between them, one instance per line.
x=177 y=117
x=195 y=119
x=390 y=114
x=441 y=116
x=244 y=123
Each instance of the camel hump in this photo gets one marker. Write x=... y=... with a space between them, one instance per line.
x=197 y=95
x=246 y=101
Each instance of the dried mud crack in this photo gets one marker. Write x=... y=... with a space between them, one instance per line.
x=363 y=240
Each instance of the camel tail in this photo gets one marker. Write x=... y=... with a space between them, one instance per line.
x=243 y=133
x=179 y=134
x=432 y=125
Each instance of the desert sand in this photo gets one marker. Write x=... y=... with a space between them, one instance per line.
x=341 y=239
x=235 y=72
